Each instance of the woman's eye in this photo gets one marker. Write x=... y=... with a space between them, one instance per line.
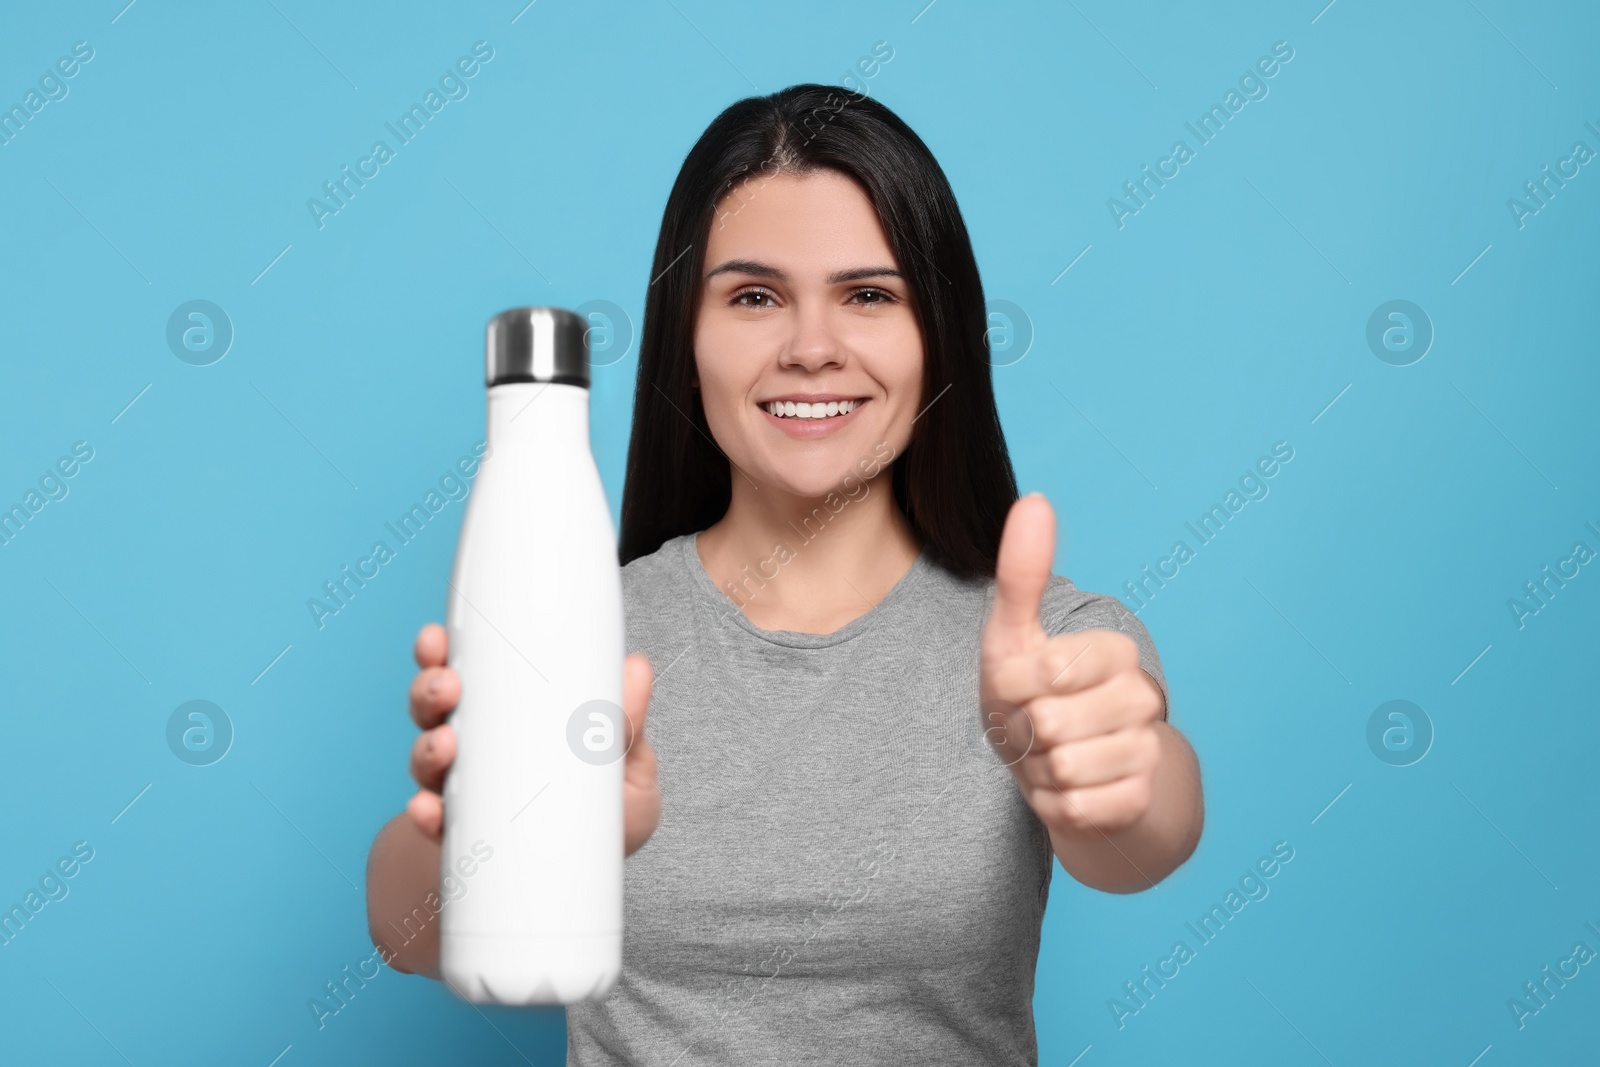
x=751 y=298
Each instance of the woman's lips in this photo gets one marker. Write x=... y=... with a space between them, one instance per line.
x=805 y=429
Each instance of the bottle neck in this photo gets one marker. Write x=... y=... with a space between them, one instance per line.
x=525 y=411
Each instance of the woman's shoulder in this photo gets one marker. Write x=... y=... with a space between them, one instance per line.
x=645 y=575
x=1064 y=608
x=1067 y=609
x=657 y=591
x=654 y=562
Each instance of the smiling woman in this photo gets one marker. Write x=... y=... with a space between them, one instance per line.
x=808 y=351
x=842 y=820
x=820 y=271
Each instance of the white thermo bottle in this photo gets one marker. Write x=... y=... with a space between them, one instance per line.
x=531 y=866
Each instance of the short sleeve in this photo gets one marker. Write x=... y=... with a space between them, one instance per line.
x=1068 y=609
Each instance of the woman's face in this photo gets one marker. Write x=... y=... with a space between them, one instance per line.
x=802 y=301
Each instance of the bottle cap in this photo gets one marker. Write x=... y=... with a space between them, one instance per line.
x=537 y=344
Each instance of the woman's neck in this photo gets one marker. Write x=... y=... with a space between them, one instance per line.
x=809 y=565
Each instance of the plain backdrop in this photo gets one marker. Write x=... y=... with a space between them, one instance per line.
x=1142 y=370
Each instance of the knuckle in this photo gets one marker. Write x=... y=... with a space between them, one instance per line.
x=1062 y=764
x=994 y=711
x=1038 y=736
x=1010 y=752
x=1039 y=772
x=1031 y=771
x=431 y=752
x=1054 y=660
x=1081 y=811
x=1044 y=771
x=1132 y=693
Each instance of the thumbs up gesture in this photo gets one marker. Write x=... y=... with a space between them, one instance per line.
x=1073 y=716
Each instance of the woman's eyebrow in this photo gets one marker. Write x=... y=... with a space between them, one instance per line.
x=764 y=270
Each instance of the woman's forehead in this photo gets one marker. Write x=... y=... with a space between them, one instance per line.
x=798 y=226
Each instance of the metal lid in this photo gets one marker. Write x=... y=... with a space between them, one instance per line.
x=537 y=344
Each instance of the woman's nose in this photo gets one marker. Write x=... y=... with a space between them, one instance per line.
x=813 y=343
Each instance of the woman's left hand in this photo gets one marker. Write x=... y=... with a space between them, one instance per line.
x=1074 y=716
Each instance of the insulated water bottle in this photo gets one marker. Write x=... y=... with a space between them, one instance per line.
x=531 y=865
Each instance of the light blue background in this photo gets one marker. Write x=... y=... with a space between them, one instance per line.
x=1225 y=316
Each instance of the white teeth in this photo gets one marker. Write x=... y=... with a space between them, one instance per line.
x=790 y=410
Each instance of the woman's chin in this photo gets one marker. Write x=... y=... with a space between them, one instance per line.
x=843 y=486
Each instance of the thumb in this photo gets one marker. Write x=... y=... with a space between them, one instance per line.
x=1022 y=570
x=637 y=678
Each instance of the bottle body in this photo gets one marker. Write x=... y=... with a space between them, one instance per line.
x=531 y=863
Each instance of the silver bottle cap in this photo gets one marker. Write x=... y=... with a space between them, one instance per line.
x=537 y=344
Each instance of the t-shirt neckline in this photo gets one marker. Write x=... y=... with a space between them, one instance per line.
x=725 y=605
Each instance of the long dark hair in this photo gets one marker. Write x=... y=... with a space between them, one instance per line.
x=954 y=481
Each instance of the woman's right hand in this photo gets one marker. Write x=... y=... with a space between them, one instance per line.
x=434 y=694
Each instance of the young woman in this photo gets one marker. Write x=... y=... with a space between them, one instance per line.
x=875 y=717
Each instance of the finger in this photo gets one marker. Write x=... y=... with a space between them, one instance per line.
x=435 y=691
x=1104 y=808
x=431 y=756
x=639 y=766
x=637 y=679
x=432 y=644
x=426 y=809
x=1062 y=664
x=1122 y=702
x=1022 y=570
x=1008 y=729
x=1095 y=761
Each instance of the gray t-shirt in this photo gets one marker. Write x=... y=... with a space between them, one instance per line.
x=845 y=872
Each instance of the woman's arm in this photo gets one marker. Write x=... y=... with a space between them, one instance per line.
x=1083 y=727
x=403 y=901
